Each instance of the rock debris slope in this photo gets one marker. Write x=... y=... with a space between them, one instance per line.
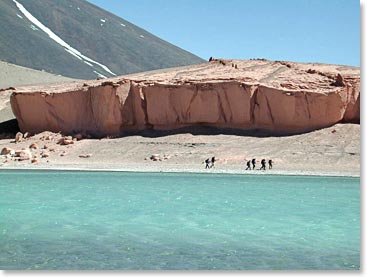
x=273 y=96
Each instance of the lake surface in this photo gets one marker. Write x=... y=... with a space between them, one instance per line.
x=115 y=220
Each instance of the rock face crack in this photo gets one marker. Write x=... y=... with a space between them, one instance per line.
x=269 y=110
x=144 y=106
x=307 y=106
x=253 y=105
x=220 y=108
x=187 y=112
x=52 y=111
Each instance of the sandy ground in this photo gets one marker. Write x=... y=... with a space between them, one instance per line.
x=333 y=151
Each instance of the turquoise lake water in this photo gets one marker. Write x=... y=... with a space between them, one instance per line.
x=94 y=220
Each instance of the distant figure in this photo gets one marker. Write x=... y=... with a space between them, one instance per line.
x=248 y=165
x=263 y=164
x=213 y=161
x=270 y=164
x=253 y=163
x=207 y=163
x=210 y=59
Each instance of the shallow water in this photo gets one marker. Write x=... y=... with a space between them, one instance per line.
x=94 y=220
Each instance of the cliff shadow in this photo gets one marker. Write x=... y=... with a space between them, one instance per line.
x=208 y=131
x=9 y=128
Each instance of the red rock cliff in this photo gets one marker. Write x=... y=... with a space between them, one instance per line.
x=280 y=97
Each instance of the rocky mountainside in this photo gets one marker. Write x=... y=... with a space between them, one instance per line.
x=79 y=40
x=277 y=97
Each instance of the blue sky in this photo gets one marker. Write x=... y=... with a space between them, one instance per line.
x=326 y=31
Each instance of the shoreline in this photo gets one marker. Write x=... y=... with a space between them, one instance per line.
x=232 y=171
x=334 y=151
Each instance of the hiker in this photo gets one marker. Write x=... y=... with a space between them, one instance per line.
x=263 y=164
x=207 y=163
x=213 y=161
x=270 y=164
x=253 y=163
x=248 y=165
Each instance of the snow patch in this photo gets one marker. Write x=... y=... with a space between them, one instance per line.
x=57 y=39
x=123 y=25
x=72 y=53
x=101 y=24
x=34 y=28
x=88 y=63
x=103 y=20
x=78 y=8
x=100 y=75
x=20 y=16
x=142 y=36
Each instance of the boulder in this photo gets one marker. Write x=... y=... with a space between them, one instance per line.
x=85 y=155
x=23 y=155
x=65 y=141
x=18 y=137
x=339 y=82
x=33 y=146
x=155 y=157
x=7 y=151
x=78 y=136
x=45 y=155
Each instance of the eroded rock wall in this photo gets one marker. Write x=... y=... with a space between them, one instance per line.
x=112 y=108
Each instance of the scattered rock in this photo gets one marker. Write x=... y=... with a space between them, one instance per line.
x=311 y=71
x=78 y=136
x=49 y=137
x=154 y=157
x=26 y=135
x=18 y=137
x=33 y=146
x=23 y=155
x=166 y=157
x=34 y=161
x=85 y=155
x=109 y=83
x=339 y=81
x=7 y=151
x=45 y=155
x=68 y=141
x=65 y=140
x=45 y=147
x=333 y=131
